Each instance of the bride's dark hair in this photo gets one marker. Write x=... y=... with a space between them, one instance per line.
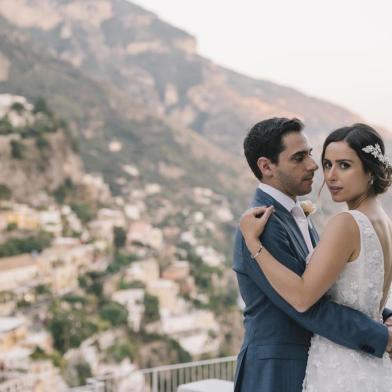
x=358 y=136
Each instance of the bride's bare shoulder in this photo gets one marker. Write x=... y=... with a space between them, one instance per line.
x=343 y=224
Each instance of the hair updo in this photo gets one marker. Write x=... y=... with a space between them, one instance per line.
x=357 y=137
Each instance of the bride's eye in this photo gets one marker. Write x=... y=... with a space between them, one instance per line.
x=344 y=165
x=326 y=165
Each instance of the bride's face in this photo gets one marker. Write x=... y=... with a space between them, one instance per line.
x=344 y=173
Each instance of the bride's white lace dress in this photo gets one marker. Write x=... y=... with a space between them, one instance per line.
x=334 y=368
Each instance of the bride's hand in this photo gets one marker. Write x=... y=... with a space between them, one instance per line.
x=253 y=221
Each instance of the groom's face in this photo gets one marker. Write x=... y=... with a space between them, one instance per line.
x=294 y=172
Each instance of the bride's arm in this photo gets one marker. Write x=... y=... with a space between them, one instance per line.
x=334 y=250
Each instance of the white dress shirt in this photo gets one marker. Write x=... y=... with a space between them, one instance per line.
x=294 y=208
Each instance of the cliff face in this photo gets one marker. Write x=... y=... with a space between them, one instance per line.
x=37 y=155
x=35 y=174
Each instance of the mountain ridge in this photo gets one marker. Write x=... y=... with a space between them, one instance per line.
x=121 y=75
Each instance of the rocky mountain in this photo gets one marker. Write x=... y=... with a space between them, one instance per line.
x=157 y=66
x=113 y=130
x=137 y=92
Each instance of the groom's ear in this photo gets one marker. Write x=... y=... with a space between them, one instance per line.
x=265 y=166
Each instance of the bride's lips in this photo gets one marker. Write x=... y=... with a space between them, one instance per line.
x=334 y=189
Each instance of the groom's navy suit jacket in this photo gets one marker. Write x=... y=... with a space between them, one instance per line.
x=274 y=353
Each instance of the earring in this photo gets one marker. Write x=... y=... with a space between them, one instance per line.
x=371 y=180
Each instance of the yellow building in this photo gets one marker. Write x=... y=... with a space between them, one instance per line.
x=23 y=217
x=12 y=331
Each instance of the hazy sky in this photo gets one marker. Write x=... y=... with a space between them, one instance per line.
x=340 y=50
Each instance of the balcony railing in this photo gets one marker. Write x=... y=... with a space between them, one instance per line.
x=163 y=378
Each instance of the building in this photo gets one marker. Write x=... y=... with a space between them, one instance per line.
x=23 y=217
x=12 y=330
x=50 y=221
x=133 y=300
x=167 y=292
x=45 y=377
x=96 y=187
x=177 y=271
x=15 y=382
x=180 y=272
x=17 y=271
x=144 y=233
x=196 y=331
x=144 y=271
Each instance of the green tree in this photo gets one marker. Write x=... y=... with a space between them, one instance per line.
x=83 y=371
x=83 y=211
x=182 y=355
x=39 y=354
x=120 y=260
x=121 y=350
x=151 y=308
x=92 y=283
x=12 y=226
x=70 y=328
x=115 y=313
x=119 y=237
x=40 y=106
x=64 y=190
x=5 y=126
x=18 y=107
x=41 y=142
x=135 y=284
x=74 y=298
x=16 y=246
x=42 y=289
x=5 y=192
x=17 y=149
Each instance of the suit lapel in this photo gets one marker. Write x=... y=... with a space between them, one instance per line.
x=289 y=222
x=286 y=219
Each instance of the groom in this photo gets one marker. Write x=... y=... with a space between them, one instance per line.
x=274 y=353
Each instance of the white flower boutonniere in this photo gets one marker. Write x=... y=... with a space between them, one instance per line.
x=308 y=207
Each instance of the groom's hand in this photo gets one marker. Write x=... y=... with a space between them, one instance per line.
x=388 y=321
x=389 y=345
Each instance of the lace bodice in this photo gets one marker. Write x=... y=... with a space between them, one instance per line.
x=360 y=285
x=332 y=367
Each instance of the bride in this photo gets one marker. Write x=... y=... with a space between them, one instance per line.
x=352 y=262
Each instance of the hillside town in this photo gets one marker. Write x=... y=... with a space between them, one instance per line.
x=86 y=292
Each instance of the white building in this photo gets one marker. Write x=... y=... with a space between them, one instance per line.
x=17 y=271
x=145 y=233
x=50 y=221
x=15 y=382
x=167 y=293
x=133 y=300
x=144 y=271
x=210 y=256
x=196 y=331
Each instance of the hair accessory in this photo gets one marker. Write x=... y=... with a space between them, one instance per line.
x=377 y=153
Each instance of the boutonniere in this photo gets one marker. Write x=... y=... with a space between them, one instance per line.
x=308 y=207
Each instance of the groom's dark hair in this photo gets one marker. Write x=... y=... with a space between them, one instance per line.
x=265 y=140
